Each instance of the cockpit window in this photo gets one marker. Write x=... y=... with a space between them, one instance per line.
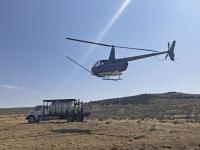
x=97 y=64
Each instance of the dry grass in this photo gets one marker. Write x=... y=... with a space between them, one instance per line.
x=15 y=133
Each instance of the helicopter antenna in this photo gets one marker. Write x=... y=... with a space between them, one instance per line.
x=78 y=64
x=109 y=45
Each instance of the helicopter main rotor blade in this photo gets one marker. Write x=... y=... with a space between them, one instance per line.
x=89 y=42
x=79 y=64
x=109 y=45
x=140 y=49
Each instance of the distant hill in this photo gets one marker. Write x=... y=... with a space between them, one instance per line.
x=13 y=111
x=147 y=99
x=164 y=105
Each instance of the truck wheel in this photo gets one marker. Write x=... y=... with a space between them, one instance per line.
x=31 y=119
x=70 y=119
x=79 y=118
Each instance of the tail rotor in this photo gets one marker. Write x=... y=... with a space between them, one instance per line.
x=170 y=51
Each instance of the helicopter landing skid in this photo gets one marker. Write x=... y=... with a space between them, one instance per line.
x=112 y=79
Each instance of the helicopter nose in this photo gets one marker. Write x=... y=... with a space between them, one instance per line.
x=93 y=70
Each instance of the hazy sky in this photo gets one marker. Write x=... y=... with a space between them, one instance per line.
x=33 y=48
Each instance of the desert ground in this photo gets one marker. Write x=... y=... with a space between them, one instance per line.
x=16 y=133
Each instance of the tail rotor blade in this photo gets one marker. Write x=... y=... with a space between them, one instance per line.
x=166 y=56
x=170 y=51
x=168 y=45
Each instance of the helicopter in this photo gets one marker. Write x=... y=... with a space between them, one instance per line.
x=112 y=66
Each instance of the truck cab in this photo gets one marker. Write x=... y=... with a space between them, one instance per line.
x=34 y=113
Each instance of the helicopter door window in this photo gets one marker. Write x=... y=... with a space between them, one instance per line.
x=102 y=63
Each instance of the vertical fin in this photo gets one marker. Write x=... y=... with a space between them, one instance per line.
x=171 y=51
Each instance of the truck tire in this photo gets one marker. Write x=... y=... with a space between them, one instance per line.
x=70 y=119
x=79 y=118
x=31 y=119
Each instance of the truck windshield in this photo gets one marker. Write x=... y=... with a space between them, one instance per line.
x=38 y=107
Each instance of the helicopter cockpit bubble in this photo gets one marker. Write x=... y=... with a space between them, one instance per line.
x=97 y=64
